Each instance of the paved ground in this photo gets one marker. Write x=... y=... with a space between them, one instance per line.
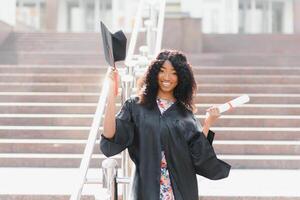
x=259 y=183
x=254 y=183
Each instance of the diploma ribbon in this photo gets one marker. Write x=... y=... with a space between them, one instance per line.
x=230 y=105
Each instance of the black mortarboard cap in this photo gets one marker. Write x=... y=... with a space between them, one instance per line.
x=114 y=45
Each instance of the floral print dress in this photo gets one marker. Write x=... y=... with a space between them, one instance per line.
x=166 y=191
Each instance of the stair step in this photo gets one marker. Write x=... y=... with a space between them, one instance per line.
x=244 y=59
x=255 y=98
x=73 y=160
x=257 y=135
x=222 y=133
x=234 y=147
x=43 y=134
x=82 y=56
x=52 y=70
x=200 y=71
x=75 y=97
x=52 y=42
x=249 y=88
x=44 y=197
x=86 y=120
x=90 y=108
x=256 y=109
x=92 y=97
x=248 y=79
x=256 y=72
x=251 y=43
x=262 y=161
x=50 y=108
x=52 y=78
x=23 y=160
x=76 y=58
x=204 y=88
x=98 y=76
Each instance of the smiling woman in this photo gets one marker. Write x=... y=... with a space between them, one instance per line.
x=164 y=140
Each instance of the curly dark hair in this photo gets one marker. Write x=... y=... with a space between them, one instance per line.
x=185 y=88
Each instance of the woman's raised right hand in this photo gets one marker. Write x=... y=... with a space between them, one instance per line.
x=113 y=77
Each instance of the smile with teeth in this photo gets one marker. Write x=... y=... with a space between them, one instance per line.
x=166 y=83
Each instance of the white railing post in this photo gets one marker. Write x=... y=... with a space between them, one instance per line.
x=109 y=171
x=88 y=151
x=127 y=85
x=160 y=26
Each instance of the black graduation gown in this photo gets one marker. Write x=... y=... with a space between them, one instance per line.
x=145 y=132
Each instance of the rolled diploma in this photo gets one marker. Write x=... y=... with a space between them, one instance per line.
x=233 y=103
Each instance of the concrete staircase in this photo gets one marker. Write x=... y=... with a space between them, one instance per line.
x=45 y=117
x=47 y=106
x=86 y=49
x=52 y=48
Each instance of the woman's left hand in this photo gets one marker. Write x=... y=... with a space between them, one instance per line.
x=213 y=115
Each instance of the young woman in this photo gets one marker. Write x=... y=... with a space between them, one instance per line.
x=164 y=139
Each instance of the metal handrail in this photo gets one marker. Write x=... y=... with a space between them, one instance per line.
x=160 y=26
x=110 y=170
x=134 y=34
x=88 y=151
x=130 y=59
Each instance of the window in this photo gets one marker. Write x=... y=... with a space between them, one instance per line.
x=264 y=16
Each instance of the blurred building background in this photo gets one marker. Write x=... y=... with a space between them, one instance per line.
x=219 y=16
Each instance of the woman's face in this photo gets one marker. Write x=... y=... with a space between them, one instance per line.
x=167 y=79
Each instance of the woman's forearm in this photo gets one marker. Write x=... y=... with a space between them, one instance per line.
x=205 y=129
x=109 y=125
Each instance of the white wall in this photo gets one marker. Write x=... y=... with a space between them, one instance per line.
x=288 y=17
x=193 y=7
x=62 y=17
x=8 y=11
x=123 y=14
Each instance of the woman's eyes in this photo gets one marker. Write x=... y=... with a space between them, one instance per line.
x=163 y=71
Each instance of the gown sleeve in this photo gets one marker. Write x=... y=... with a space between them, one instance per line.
x=204 y=158
x=124 y=132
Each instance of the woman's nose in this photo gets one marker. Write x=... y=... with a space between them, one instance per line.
x=166 y=76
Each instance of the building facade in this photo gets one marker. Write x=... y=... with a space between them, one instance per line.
x=242 y=16
x=75 y=15
x=218 y=16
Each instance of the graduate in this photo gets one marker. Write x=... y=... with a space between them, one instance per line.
x=164 y=139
